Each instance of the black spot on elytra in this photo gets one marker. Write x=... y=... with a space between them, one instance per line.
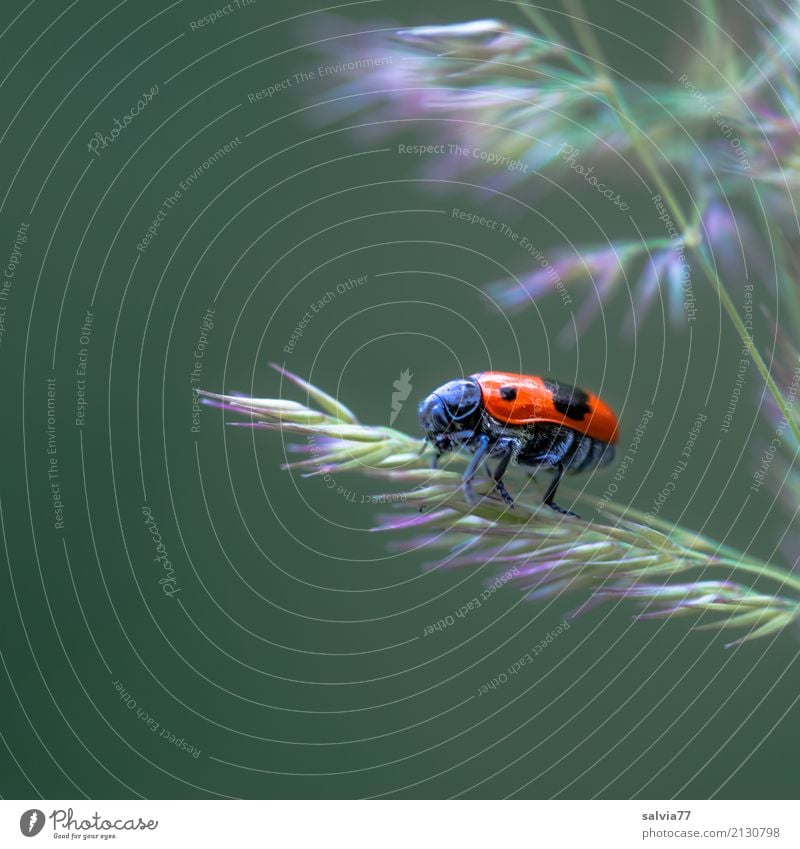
x=569 y=400
x=508 y=393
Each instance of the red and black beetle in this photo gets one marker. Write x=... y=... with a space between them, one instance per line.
x=522 y=418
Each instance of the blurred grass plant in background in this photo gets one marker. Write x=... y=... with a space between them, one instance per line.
x=716 y=151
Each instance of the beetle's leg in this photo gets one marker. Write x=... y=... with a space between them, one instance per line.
x=504 y=493
x=457 y=439
x=550 y=493
x=480 y=455
x=498 y=478
x=434 y=461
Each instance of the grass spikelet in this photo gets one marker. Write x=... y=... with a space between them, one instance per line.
x=552 y=554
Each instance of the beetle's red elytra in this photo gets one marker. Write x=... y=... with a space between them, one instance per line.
x=521 y=418
x=521 y=399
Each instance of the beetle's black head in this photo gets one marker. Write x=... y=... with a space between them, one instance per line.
x=454 y=408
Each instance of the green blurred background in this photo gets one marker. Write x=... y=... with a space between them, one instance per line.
x=293 y=655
